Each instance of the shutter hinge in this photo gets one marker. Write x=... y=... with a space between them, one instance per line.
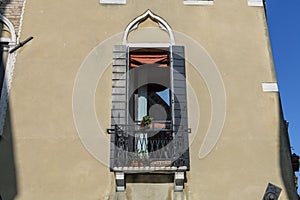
x=110 y=130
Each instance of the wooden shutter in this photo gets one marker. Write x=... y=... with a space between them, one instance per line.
x=119 y=106
x=179 y=107
x=119 y=82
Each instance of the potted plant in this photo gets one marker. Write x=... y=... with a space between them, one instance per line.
x=146 y=121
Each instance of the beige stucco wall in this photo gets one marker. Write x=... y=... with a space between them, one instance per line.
x=48 y=159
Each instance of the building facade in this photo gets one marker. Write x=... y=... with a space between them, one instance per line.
x=141 y=100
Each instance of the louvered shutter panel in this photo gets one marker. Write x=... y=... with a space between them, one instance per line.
x=179 y=108
x=119 y=106
x=119 y=97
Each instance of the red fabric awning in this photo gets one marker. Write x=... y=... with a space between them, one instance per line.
x=136 y=60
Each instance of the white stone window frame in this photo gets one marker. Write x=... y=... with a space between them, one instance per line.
x=198 y=2
x=148 y=14
x=8 y=75
x=121 y=2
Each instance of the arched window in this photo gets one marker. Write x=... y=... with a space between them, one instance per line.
x=4 y=48
x=7 y=41
x=148 y=81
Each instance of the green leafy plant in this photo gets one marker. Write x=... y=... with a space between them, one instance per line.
x=146 y=121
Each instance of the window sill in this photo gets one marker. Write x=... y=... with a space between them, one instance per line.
x=198 y=3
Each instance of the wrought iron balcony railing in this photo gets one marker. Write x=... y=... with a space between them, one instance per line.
x=155 y=146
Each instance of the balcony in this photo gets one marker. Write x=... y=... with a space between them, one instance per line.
x=156 y=148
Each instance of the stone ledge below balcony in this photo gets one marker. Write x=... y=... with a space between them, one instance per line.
x=148 y=169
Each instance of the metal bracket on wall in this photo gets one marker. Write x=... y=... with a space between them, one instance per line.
x=110 y=130
x=20 y=45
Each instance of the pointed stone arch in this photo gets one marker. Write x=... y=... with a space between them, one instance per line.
x=155 y=18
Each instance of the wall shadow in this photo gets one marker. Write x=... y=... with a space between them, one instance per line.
x=149 y=178
x=8 y=178
x=286 y=169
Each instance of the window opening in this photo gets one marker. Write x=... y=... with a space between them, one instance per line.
x=150 y=80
